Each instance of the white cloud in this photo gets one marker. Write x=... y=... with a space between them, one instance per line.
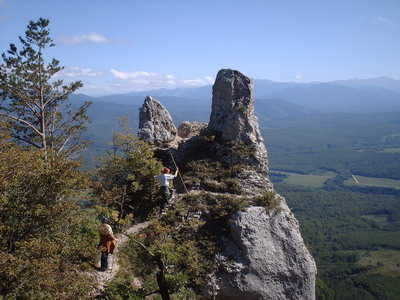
x=84 y=38
x=132 y=75
x=382 y=20
x=298 y=77
x=70 y=72
x=141 y=80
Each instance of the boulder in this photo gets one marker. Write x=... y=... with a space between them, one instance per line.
x=264 y=258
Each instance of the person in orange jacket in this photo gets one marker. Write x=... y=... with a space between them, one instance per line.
x=107 y=242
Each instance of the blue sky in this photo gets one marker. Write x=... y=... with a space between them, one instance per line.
x=129 y=45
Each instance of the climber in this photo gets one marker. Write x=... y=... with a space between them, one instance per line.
x=107 y=242
x=166 y=192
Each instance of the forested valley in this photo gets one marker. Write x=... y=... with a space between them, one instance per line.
x=352 y=229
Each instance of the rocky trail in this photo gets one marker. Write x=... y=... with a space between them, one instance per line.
x=101 y=278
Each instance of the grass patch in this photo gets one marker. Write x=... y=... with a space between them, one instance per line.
x=373 y=181
x=380 y=219
x=385 y=262
x=306 y=180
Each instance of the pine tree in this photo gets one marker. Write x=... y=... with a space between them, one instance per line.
x=34 y=103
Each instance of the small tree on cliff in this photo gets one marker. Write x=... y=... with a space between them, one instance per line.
x=125 y=180
x=36 y=106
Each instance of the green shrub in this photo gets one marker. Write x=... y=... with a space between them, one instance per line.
x=269 y=200
x=212 y=176
x=183 y=241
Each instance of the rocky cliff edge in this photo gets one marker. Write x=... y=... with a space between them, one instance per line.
x=264 y=255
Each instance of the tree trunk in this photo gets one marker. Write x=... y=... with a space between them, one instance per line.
x=42 y=106
x=161 y=281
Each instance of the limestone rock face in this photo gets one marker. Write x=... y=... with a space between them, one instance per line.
x=155 y=123
x=190 y=129
x=264 y=258
x=233 y=112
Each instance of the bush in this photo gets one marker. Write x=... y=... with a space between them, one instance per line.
x=269 y=200
x=212 y=176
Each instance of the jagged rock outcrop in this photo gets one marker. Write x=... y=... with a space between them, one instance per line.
x=233 y=113
x=155 y=123
x=157 y=128
x=190 y=129
x=264 y=255
x=265 y=258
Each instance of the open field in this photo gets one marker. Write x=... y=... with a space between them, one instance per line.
x=382 y=261
x=373 y=181
x=306 y=180
x=391 y=150
x=380 y=219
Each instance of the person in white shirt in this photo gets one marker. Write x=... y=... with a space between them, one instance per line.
x=166 y=191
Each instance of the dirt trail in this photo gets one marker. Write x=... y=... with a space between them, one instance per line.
x=101 y=278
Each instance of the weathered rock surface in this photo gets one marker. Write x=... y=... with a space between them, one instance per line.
x=233 y=113
x=264 y=256
x=155 y=123
x=190 y=129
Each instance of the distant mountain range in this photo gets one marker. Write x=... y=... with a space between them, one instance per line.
x=276 y=104
x=273 y=99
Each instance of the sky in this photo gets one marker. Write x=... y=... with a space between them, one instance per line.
x=118 y=46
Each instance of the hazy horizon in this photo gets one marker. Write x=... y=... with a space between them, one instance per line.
x=126 y=46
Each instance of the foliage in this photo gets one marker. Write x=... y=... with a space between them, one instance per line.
x=36 y=105
x=185 y=240
x=380 y=286
x=123 y=288
x=322 y=291
x=212 y=164
x=46 y=238
x=209 y=146
x=336 y=224
x=357 y=148
x=269 y=200
x=212 y=176
x=125 y=180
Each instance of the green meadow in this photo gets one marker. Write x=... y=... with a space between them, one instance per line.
x=382 y=261
x=305 y=180
x=373 y=181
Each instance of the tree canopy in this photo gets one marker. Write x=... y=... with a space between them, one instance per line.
x=35 y=104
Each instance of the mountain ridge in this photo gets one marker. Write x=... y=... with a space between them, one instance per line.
x=352 y=96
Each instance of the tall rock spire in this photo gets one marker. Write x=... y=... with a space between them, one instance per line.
x=233 y=112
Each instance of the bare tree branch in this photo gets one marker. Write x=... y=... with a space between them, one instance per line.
x=23 y=122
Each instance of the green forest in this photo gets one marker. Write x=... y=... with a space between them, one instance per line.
x=353 y=231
